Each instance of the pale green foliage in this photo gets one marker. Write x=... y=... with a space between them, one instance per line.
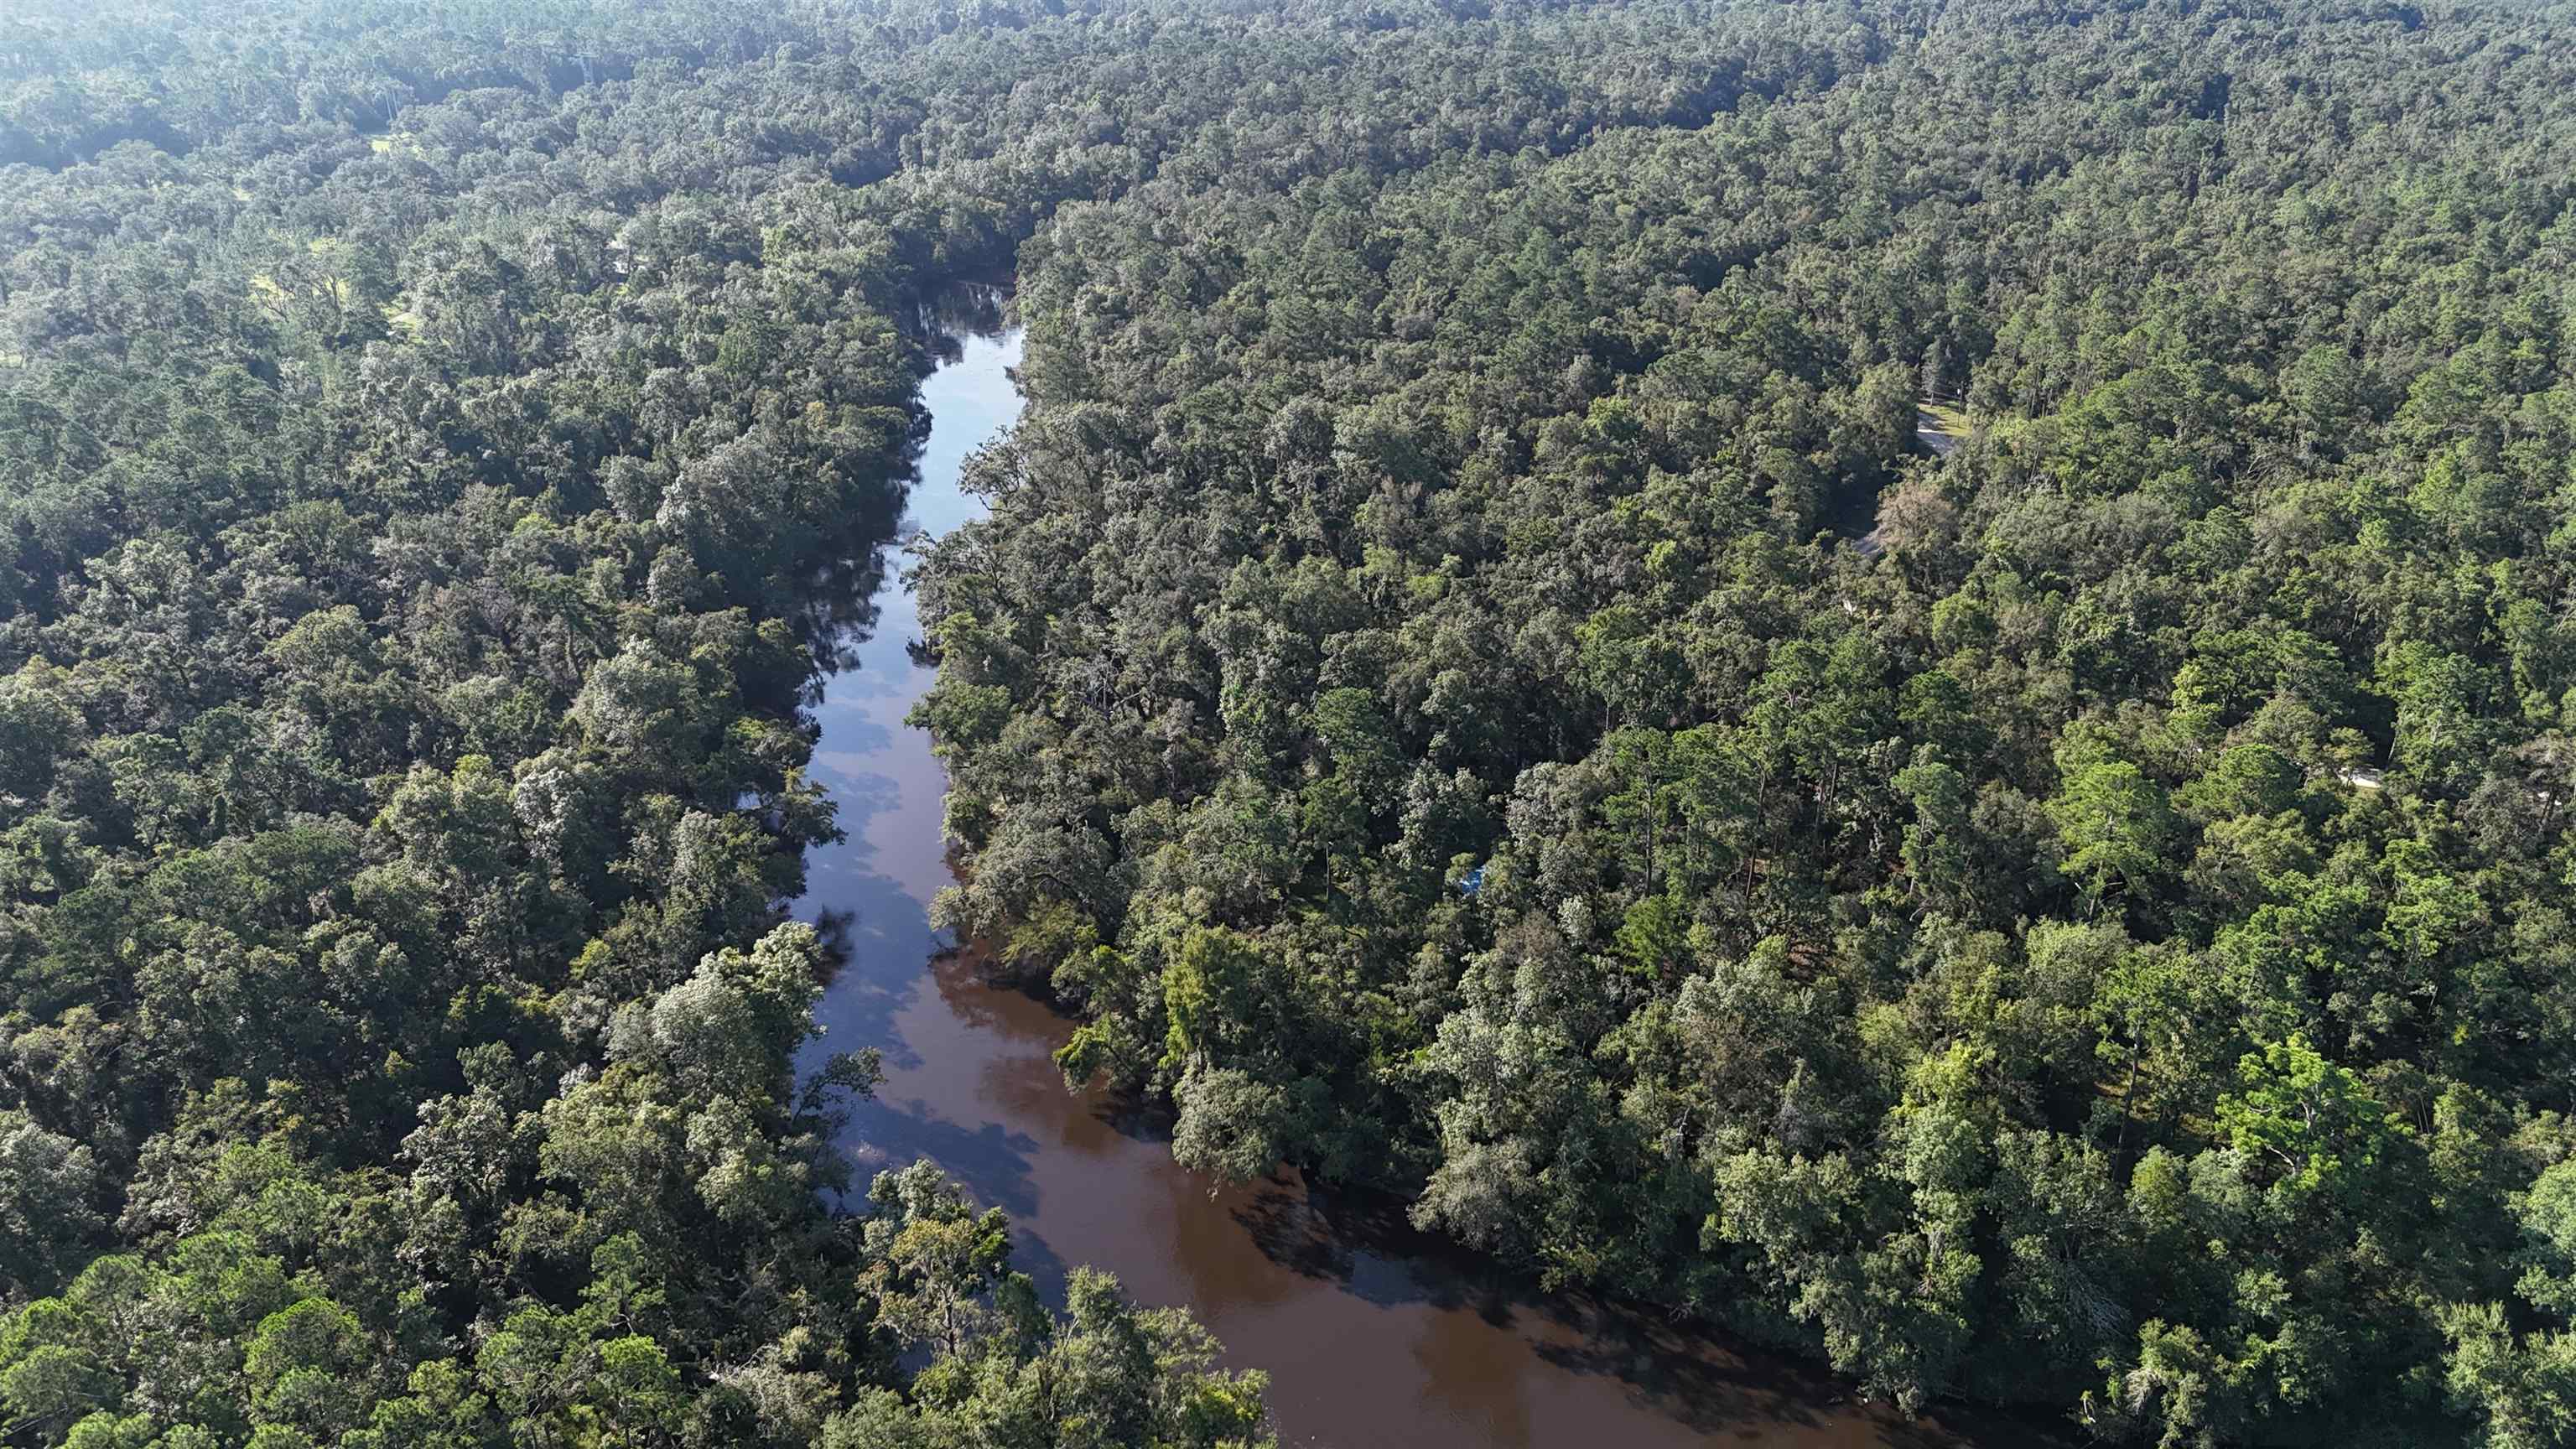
x=1230 y=1124
x=2316 y=1120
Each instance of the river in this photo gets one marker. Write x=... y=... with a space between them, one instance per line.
x=1373 y=1335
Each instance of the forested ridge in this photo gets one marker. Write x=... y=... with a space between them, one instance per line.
x=1472 y=684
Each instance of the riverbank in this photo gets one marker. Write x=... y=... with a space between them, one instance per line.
x=1373 y=1332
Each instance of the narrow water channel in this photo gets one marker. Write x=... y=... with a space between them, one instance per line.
x=1372 y=1336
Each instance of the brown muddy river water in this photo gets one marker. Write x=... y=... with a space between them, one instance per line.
x=1374 y=1337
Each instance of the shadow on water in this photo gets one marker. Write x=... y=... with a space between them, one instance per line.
x=990 y=1160
x=950 y=316
x=870 y=891
x=847 y=583
x=860 y=1007
x=1323 y=1286
x=1374 y=1333
x=839 y=606
x=1367 y=1249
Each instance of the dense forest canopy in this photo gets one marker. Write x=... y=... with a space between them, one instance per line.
x=434 y=445
x=1473 y=683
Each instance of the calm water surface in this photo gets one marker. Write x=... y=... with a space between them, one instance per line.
x=1372 y=1336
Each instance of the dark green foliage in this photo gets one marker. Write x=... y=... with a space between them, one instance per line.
x=433 y=446
x=1472 y=684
